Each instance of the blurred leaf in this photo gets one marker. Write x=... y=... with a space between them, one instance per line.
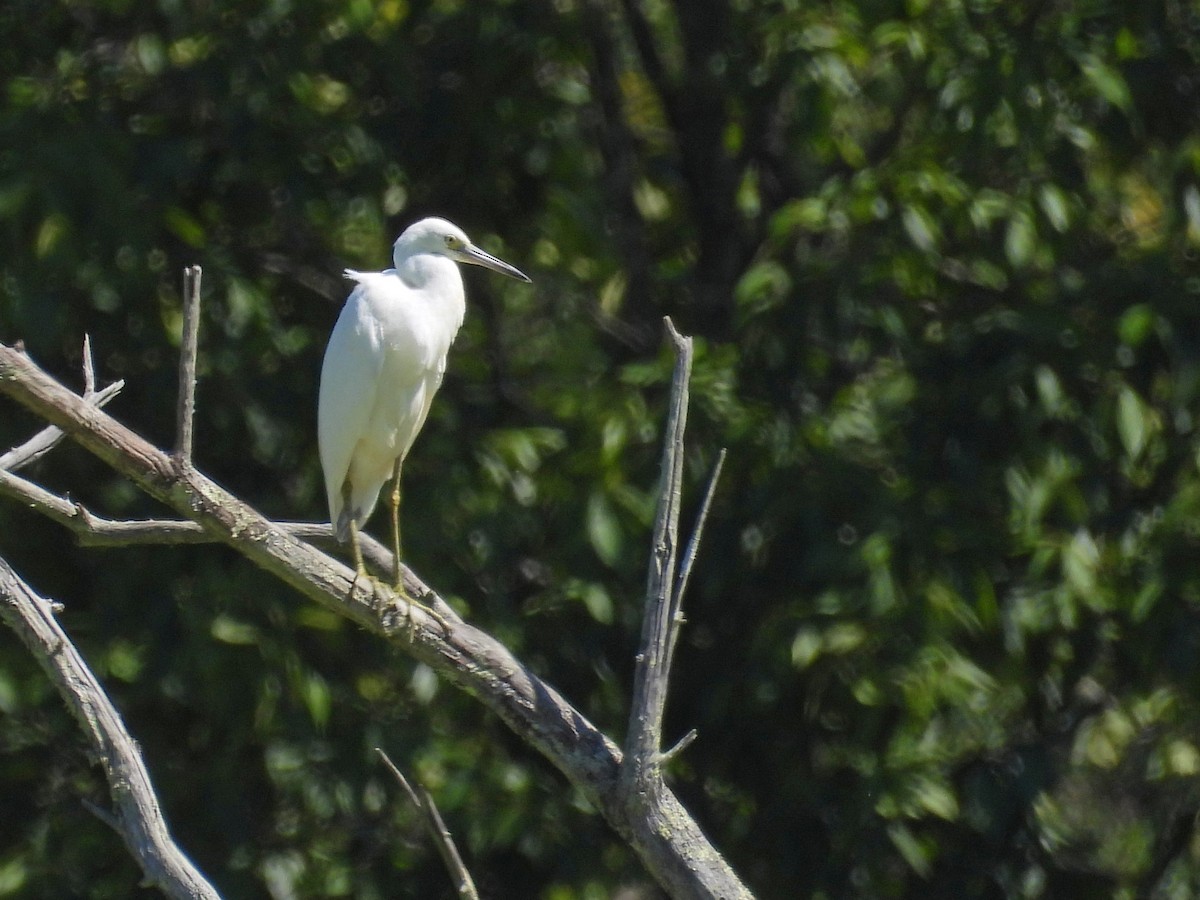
x=230 y=631
x=13 y=876
x=921 y=228
x=184 y=226
x=318 y=699
x=764 y=286
x=1053 y=202
x=51 y=232
x=916 y=852
x=1020 y=239
x=1136 y=324
x=1135 y=422
x=1108 y=81
x=603 y=530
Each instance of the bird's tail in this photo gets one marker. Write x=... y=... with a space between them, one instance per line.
x=341 y=525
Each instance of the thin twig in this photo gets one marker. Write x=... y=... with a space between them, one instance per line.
x=89 y=367
x=101 y=813
x=693 y=547
x=187 y=364
x=412 y=795
x=139 y=818
x=682 y=744
x=641 y=776
x=47 y=439
x=423 y=801
x=689 y=555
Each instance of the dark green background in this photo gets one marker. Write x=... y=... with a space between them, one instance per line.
x=940 y=260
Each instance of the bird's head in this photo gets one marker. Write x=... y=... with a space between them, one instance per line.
x=437 y=237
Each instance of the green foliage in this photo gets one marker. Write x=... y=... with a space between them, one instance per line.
x=940 y=261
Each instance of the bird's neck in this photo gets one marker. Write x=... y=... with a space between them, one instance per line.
x=436 y=282
x=424 y=270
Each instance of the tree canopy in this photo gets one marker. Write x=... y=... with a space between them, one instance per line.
x=940 y=262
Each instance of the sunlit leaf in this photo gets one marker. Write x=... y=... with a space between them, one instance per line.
x=1136 y=324
x=1020 y=239
x=1133 y=421
x=603 y=529
x=1053 y=202
x=1107 y=80
x=921 y=228
x=318 y=699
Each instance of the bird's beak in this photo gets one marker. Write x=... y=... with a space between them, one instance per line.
x=476 y=257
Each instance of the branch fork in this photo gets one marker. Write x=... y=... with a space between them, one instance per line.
x=139 y=818
x=666 y=581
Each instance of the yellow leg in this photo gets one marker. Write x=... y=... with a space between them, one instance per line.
x=398 y=579
x=361 y=569
x=355 y=549
x=396 y=571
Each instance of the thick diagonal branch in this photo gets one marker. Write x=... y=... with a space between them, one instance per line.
x=139 y=818
x=92 y=530
x=670 y=843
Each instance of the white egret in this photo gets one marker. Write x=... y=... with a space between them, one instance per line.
x=385 y=360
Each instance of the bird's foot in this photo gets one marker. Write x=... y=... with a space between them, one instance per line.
x=428 y=610
x=383 y=597
x=380 y=593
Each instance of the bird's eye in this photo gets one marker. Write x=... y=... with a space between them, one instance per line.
x=452 y=242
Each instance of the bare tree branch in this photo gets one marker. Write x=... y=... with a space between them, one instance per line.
x=664 y=835
x=139 y=819
x=641 y=774
x=693 y=547
x=689 y=559
x=185 y=412
x=641 y=787
x=89 y=367
x=423 y=801
x=682 y=744
x=47 y=439
x=91 y=530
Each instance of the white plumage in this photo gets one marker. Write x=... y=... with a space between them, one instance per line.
x=385 y=361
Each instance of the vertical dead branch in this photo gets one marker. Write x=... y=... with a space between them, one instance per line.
x=640 y=771
x=642 y=804
x=187 y=364
x=139 y=818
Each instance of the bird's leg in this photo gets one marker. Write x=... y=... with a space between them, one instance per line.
x=355 y=550
x=399 y=581
x=378 y=593
x=360 y=568
x=396 y=570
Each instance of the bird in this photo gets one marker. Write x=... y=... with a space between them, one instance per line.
x=384 y=362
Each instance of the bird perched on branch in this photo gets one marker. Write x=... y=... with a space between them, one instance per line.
x=385 y=361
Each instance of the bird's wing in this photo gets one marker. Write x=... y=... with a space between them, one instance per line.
x=349 y=381
x=432 y=383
